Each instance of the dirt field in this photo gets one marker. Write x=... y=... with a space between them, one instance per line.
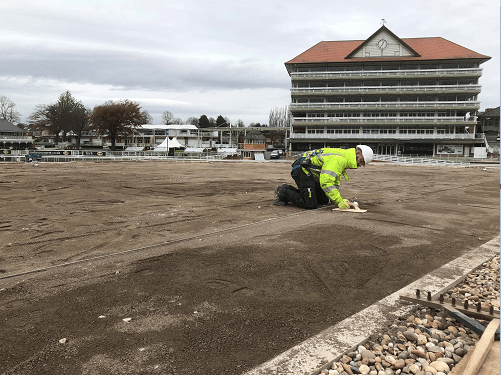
x=214 y=277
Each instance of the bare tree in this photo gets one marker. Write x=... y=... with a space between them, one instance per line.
x=147 y=118
x=192 y=121
x=239 y=124
x=167 y=118
x=7 y=110
x=279 y=117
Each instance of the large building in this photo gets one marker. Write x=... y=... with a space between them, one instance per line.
x=399 y=96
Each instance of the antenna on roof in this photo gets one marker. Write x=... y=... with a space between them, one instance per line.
x=383 y=21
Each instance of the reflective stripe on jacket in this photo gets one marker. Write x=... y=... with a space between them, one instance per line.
x=327 y=166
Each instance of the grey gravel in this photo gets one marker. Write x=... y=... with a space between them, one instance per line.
x=427 y=341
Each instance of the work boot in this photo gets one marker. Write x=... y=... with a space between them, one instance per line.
x=279 y=199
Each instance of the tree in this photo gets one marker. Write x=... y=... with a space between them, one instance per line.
x=239 y=124
x=147 y=118
x=167 y=118
x=177 y=121
x=192 y=121
x=203 y=122
x=7 y=111
x=221 y=122
x=81 y=120
x=280 y=117
x=22 y=125
x=116 y=119
x=57 y=118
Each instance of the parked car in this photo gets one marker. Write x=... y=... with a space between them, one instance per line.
x=275 y=154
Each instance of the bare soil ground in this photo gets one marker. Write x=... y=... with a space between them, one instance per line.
x=215 y=278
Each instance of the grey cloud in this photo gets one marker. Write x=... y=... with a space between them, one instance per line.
x=133 y=70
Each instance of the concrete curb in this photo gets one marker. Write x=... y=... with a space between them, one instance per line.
x=320 y=351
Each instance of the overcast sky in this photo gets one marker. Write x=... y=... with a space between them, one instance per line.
x=208 y=57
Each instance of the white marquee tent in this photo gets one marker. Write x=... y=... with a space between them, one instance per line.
x=170 y=143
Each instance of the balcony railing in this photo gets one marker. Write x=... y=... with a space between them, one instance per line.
x=464 y=104
x=479 y=137
x=471 y=120
x=16 y=137
x=379 y=89
x=391 y=73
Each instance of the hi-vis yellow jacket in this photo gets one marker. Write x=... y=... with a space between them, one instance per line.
x=327 y=166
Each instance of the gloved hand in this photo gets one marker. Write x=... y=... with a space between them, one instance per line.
x=343 y=205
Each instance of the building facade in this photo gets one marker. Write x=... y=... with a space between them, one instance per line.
x=13 y=137
x=488 y=124
x=399 y=96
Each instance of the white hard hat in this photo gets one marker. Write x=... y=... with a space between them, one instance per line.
x=366 y=152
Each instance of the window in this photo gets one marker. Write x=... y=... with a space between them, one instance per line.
x=408 y=98
x=447 y=82
x=372 y=67
x=445 y=130
x=389 y=98
x=351 y=130
x=428 y=66
x=318 y=84
x=335 y=84
x=353 y=99
x=446 y=114
x=334 y=130
x=333 y=99
x=371 y=130
x=407 y=130
x=409 y=67
x=426 y=98
x=408 y=82
x=315 y=130
x=467 y=82
x=427 y=82
x=352 y=68
x=390 y=83
x=447 y=98
x=425 y=130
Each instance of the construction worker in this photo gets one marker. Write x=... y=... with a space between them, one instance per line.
x=317 y=175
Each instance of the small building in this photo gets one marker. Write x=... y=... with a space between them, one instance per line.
x=254 y=145
x=150 y=136
x=13 y=137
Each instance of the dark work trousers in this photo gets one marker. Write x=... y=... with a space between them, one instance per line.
x=309 y=194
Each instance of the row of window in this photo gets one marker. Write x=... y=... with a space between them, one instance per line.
x=386 y=98
x=385 y=83
x=384 y=130
x=384 y=114
x=397 y=66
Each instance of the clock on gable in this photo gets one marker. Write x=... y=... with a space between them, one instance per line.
x=382 y=44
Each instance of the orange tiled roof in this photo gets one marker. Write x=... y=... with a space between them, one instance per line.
x=429 y=48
